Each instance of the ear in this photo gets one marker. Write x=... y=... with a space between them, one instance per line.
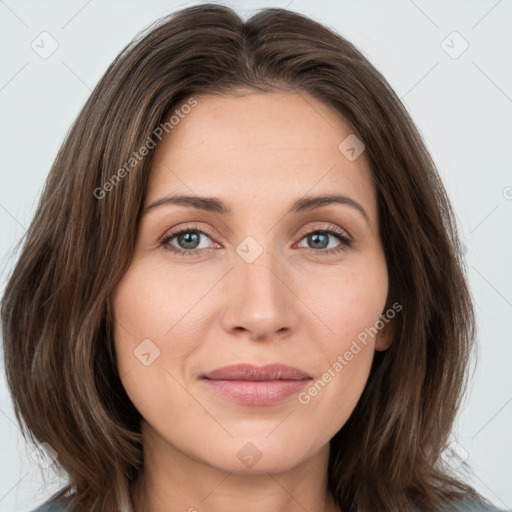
x=387 y=325
x=385 y=336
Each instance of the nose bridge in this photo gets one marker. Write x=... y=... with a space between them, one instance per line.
x=256 y=272
x=259 y=275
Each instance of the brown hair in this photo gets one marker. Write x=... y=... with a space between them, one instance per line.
x=56 y=319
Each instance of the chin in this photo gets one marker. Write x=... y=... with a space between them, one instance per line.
x=258 y=455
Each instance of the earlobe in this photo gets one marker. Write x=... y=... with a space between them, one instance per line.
x=385 y=336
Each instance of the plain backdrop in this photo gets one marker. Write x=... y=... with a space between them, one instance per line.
x=450 y=63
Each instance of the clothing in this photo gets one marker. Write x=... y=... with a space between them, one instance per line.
x=466 y=507
x=53 y=506
x=472 y=507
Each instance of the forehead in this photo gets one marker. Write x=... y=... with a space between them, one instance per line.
x=259 y=146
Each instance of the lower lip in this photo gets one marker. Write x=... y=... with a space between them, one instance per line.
x=257 y=392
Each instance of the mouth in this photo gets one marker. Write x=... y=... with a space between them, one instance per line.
x=252 y=385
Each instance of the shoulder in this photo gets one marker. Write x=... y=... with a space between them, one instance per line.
x=51 y=506
x=472 y=506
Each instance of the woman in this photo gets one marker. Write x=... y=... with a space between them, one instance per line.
x=308 y=350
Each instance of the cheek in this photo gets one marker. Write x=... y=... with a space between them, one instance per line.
x=155 y=332
x=333 y=395
x=350 y=303
x=145 y=307
x=149 y=302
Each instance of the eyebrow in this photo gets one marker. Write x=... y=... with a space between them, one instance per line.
x=215 y=205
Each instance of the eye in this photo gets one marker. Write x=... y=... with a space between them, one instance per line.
x=319 y=239
x=188 y=240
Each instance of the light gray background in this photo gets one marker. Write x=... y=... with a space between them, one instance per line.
x=463 y=107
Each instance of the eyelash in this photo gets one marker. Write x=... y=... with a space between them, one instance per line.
x=325 y=230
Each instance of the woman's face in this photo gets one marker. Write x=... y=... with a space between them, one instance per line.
x=256 y=282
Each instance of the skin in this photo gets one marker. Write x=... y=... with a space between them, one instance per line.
x=294 y=304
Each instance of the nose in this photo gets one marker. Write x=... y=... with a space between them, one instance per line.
x=260 y=300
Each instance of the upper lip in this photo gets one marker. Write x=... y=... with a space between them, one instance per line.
x=251 y=372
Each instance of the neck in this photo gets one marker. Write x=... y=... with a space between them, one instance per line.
x=172 y=481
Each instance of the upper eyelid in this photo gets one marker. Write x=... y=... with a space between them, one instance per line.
x=173 y=233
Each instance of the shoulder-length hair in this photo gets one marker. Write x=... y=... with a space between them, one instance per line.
x=56 y=318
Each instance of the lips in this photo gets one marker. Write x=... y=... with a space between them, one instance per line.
x=257 y=373
x=256 y=385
